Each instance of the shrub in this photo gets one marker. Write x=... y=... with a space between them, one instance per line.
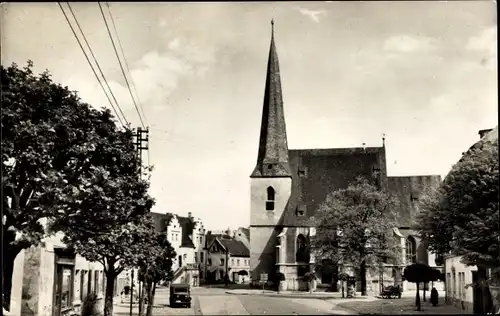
x=89 y=306
x=309 y=276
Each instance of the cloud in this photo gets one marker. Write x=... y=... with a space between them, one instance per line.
x=314 y=15
x=155 y=75
x=406 y=43
x=485 y=44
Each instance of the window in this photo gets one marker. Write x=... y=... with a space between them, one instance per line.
x=232 y=261
x=209 y=261
x=83 y=294
x=238 y=262
x=96 y=282
x=195 y=257
x=301 y=210
x=64 y=286
x=454 y=286
x=411 y=249
x=201 y=257
x=222 y=261
x=302 y=254
x=302 y=171
x=270 y=199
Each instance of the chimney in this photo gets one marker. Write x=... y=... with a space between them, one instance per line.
x=190 y=215
x=483 y=132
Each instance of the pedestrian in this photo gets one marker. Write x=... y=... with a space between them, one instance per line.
x=434 y=297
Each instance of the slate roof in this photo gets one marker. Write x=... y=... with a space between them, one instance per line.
x=272 y=159
x=407 y=191
x=324 y=171
x=162 y=220
x=236 y=247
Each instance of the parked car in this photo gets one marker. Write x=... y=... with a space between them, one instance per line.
x=180 y=295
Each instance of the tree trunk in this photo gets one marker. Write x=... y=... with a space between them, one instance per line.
x=342 y=285
x=108 y=295
x=417 y=300
x=151 y=289
x=425 y=286
x=141 y=298
x=363 y=278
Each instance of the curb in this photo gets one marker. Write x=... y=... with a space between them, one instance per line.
x=318 y=297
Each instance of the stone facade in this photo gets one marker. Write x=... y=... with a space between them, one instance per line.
x=56 y=282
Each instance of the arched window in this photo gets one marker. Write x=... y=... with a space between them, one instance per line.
x=302 y=254
x=411 y=250
x=270 y=199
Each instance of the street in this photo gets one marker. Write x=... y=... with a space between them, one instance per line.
x=215 y=301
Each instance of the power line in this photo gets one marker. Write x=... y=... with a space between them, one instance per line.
x=121 y=66
x=126 y=63
x=92 y=67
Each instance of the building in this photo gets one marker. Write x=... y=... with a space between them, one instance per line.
x=51 y=280
x=288 y=185
x=187 y=237
x=470 y=299
x=227 y=253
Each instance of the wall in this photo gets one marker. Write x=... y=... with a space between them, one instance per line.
x=263 y=223
x=244 y=264
x=40 y=275
x=17 y=285
x=456 y=293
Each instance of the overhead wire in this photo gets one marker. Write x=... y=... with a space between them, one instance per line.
x=90 y=63
x=121 y=66
x=126 y=63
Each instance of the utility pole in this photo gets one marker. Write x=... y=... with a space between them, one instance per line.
x=141 y=136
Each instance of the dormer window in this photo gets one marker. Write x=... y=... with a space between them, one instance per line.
x=270 y=199
x=302 y=171
x=301 y=210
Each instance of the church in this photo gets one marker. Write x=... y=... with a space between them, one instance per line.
x=288 y=185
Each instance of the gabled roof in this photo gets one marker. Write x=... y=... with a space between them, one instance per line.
x=236 y=247
x=162 y=221
x=245 y=231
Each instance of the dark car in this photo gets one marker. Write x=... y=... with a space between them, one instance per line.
x=180 y=295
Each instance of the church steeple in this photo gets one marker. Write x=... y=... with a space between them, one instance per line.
x=272 y=160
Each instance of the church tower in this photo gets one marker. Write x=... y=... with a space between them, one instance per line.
x=271 y=180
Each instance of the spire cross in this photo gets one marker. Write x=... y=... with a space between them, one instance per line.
x=272 y=26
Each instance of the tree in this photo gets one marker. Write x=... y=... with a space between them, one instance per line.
x=47 y=133
x=419 y=273
x=355 y=225
x=156 y=266
x=462 y=215
x=112 y=225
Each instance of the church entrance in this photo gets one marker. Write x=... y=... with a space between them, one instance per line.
x=329 y=273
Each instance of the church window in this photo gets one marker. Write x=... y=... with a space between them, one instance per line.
x=411 y=250
x=302 y=254
x=270 y=199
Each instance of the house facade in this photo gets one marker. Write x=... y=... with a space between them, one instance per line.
x=226 y=254
x=288 y=185
x=51 y=280
x=187 y=237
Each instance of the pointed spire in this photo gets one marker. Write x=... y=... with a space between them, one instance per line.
x=272 y=160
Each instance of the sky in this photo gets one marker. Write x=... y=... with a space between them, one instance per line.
x=423 y=73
